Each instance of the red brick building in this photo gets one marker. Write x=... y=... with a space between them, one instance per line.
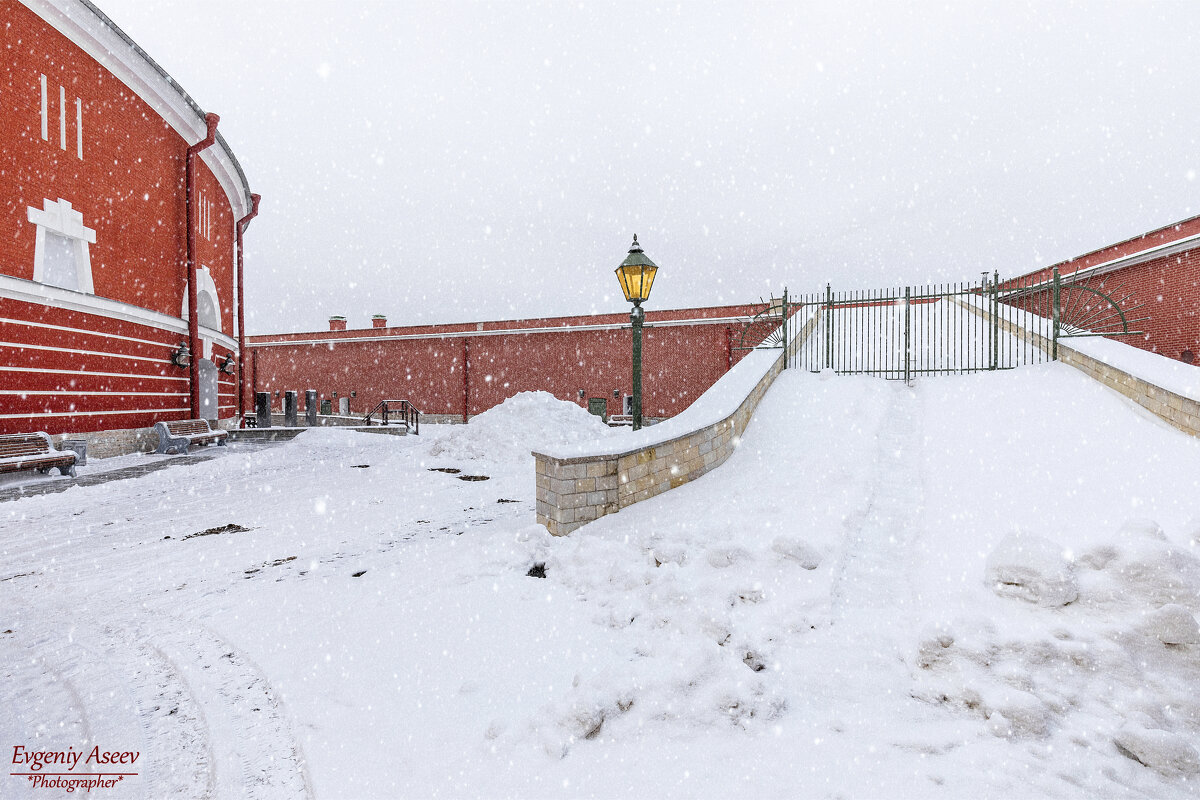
x=1159 y=270
x=453 y=372
x=95 y=217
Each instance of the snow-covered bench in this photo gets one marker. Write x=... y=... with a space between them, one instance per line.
x=19 y=451
x=179 y=435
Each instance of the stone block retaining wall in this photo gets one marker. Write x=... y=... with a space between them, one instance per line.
x=1176 y=410
x=122 y=442
x=574 y=491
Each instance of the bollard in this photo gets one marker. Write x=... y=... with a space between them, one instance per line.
x=262 y=408
x=289 y=410
x=310 y=407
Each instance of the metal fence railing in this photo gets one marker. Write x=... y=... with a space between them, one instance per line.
x=909 y=331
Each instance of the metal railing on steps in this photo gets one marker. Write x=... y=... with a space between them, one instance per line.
x=396 y=412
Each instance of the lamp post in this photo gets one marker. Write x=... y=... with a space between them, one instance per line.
x=636 y=275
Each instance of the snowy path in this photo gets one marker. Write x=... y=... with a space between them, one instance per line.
x=869 y=585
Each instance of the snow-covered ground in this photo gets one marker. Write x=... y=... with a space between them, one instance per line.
x=979 y=586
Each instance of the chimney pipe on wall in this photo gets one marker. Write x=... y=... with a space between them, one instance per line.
x=379 y=321
x=337 y=323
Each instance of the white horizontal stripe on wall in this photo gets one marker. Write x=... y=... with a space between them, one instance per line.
x=41 y=393
x=39 y=370
x=86 y=332
x=150 y=411
x=39 y=294
x=19 y=346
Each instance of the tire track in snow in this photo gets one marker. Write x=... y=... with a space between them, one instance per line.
x=105 y=697
x=254 y=753
x=202 y=714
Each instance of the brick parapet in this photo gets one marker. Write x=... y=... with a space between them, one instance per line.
x=574 y=491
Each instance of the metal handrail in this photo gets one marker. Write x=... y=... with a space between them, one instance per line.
x=409 y=415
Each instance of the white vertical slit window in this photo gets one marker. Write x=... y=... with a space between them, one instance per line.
x=79 y=128
x=45 y=112
x=60 y=252
x=62 y=117
x=205 y=216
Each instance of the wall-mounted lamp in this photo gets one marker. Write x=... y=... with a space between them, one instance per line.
x=228 y=364
x=581 y=394
x=181 y=356
x=616 y=394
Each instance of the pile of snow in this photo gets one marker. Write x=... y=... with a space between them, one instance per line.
x=522 y=423
x=1032 y=568
x=1159 y=750
x=1112 y=637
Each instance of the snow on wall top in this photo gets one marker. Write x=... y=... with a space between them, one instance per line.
x=1165 y=373
x=720 y=401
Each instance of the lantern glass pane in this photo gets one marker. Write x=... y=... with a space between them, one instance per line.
x=647 y=281
x=636 y=280
x=627 y=277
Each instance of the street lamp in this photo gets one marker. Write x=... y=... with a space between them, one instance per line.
x=636 y=275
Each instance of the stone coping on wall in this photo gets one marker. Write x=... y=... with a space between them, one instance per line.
x=717 y=403
x=1097 y=358
x=578 y=484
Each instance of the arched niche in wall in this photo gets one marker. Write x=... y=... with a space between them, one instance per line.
x=208 y=302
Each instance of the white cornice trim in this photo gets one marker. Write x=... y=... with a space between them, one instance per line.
x=609 y=326
x=55 y=297
x=113 y=50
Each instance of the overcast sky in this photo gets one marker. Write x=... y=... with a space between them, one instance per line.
x=443 y=161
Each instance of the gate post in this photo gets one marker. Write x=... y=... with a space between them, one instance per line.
x=786 y=338
x=828 y=327
x=907 y=328
x=996 y=319
x=1057 y=315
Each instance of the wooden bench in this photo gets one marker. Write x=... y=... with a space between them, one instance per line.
x=20 y=451
x=179 y=435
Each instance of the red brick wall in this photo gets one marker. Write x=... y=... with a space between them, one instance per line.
x=1155 y=238
x=679 y=362
x=1167 y=289
x=75 y=367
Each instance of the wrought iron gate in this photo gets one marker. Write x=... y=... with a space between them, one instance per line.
x=942 y=329
x=948 y=329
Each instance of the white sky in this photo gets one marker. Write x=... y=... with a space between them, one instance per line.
x=447 y=161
